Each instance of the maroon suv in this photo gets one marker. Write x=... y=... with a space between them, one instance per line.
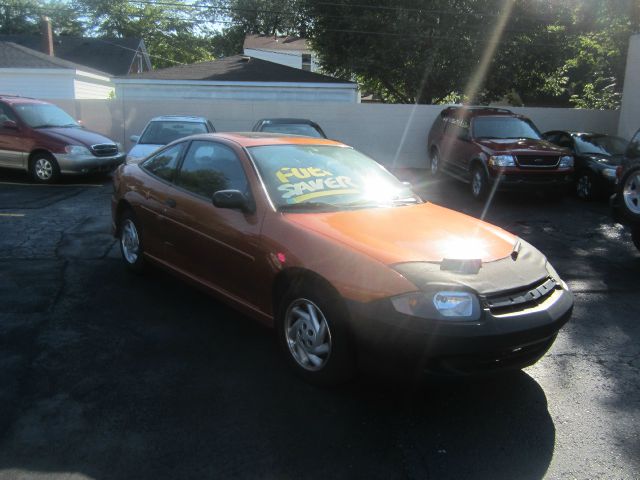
x=482 y=146
x=43 y=139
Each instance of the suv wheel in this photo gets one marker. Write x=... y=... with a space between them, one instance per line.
x=434 y=163
x=586 y=187
x=44 y=168
x=630 y=193
x=479 y=183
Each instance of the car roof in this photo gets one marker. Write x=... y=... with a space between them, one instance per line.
x=470 y=111
x=255 y=139
x=15 y=99
x=179 y=118
x=287 y=120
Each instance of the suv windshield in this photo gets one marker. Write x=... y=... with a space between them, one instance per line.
x=163 y=132
x=293 y=129
x=504 y=127
x=41 y=115
x=326 y=177
x=600 y=145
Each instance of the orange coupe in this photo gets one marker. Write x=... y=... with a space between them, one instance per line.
x=344 y=260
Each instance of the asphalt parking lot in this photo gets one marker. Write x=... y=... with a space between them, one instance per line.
x=105 y=374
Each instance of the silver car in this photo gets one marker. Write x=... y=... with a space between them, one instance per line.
x=163 y=130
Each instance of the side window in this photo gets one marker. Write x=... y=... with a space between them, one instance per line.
x=209 y=167
x=633 y=150
x=457 y=127
x=6 y=114
x=165 y=163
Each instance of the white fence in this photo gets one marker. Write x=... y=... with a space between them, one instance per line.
x=395 y=135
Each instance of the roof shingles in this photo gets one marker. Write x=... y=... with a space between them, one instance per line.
x=237 y=68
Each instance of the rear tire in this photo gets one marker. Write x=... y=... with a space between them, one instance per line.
x=130 y=240
x=434 y=163
x=313 y=335
x=44 y=168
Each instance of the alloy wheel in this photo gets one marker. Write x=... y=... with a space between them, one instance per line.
x=44 y=169
x=307 y=334
x=435 y=163
x=584 y=186
x=476 y=183
x=130 y=241
x=631 y=193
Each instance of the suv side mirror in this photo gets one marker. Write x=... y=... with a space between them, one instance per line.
x=134 y=138
x=9 y=125
x=232 y=199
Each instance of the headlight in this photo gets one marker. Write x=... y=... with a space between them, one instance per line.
x=609 y=173
x=566 y=162
x=502 y=161
x=448 y=305
x=77 y=150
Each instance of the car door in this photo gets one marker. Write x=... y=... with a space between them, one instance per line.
x=155 y=197
x=12 y=152
x=462 y=148
x=217 y=246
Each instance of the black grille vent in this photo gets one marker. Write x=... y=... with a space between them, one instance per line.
x=104 y=149
x=521 y=299
x=537 y=161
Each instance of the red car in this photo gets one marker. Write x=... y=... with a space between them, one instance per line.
x=495 y=148
x=319 y=241
x=43 y=139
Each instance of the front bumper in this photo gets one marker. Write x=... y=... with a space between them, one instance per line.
x=75 y=165
x=497 y=341
x=530 y=181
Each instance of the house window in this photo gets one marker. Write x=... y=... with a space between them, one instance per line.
x=306 y=62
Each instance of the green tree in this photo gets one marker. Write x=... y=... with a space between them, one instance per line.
x=23 y=17
x=172 y=34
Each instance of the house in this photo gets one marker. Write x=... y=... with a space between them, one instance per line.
x=30 y=73
x=115 y=56
x=290 y=51
x=236 y=78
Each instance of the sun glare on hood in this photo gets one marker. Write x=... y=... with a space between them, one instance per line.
x=464 y=248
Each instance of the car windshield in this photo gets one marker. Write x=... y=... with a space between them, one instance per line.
x=600 y=145
x=164 y=132
x=504 y=127
x=327 y=177
x=293 y=129
x=42 y=115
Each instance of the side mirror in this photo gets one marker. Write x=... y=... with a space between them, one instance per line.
x=134 y=138
x=232 y=199
x=10 y=125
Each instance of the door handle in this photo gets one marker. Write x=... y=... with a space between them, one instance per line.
x=170 y=202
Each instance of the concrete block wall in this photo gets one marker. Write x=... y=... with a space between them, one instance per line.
x=630 y=110
x=395 y=135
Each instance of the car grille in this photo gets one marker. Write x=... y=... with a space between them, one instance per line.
x=520 y=299
x=104 y=149
x=537 y=161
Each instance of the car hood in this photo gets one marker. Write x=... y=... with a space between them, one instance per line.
x=416 y=233
x=521 y=146
x=142 y=150
x=75 y=136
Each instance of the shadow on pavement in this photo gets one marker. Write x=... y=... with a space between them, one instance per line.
x=121 y=380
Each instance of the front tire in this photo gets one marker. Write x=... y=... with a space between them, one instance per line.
x=586 y=186
x=131 y=242
x=44 y=168
x=479 y=183
x=630 y=195
x=313 y=336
